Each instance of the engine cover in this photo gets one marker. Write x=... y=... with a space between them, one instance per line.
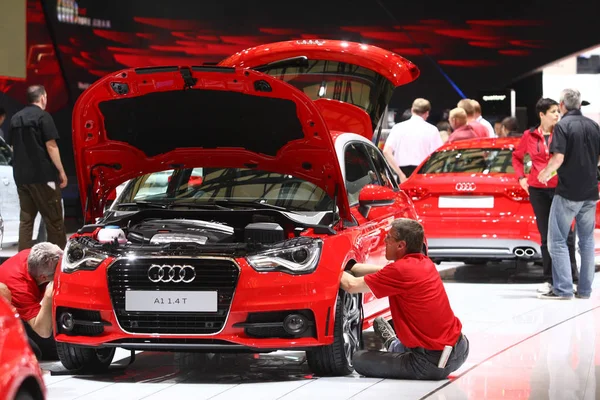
x=161 y=231
x=263 y=233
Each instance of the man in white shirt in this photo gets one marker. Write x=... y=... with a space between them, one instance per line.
x=482 y=120
x=412 y=141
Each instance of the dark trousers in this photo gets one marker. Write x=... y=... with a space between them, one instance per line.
x=408 y=170
x=40 y=197
x=43 y=348
x=407 y=363
x=541 y=201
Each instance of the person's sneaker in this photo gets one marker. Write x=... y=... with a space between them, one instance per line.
x=574 y=288
x=552 y=296
x=545 y=287
x=580 y=296
x=384 y=331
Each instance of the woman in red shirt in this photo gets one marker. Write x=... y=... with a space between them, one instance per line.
x=536 y=143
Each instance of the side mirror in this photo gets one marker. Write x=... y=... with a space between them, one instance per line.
x=375 y=196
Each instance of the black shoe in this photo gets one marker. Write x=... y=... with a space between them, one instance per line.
x=552 y=296
x=384 y=331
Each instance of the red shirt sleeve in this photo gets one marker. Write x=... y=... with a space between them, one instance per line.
x=519 y=154
x=386 y=282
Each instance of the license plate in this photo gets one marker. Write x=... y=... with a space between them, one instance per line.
x=170 y=301
x=466 y=202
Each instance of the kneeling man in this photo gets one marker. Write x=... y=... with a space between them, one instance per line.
x=27 y=278
x=427 y=342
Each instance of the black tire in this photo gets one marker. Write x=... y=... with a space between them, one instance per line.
x=25 y=394
x=84 y=359
x=336 y=359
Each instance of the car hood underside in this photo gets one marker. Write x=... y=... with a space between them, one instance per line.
x=139 y=121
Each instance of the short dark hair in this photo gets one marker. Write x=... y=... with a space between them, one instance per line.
x=34 y=93
x=2 y=112
x=510 y=123
x=543 y=105
x=444 y=126
x=409 y=231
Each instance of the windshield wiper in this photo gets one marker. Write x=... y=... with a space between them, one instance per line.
x=172 y=204
x=144 y=204
x=208 y=206
x=252 y=204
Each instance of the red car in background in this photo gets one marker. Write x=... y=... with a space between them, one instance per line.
x=20 y=373
x=251 y=187
x=471 y=204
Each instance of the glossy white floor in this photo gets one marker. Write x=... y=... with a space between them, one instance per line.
x=521 y=347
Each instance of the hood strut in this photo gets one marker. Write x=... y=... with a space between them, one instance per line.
x=90 y=187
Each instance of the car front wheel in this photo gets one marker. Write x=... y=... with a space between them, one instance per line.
x=336 y=359
x=84 y=359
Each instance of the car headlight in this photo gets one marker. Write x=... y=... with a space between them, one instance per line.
x=79 y=257
x=292 y=257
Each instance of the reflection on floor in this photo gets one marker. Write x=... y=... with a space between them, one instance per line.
x=521 y=347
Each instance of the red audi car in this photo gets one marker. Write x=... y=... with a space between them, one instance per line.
x=471 y=204
x=248 y=188
x=20 y=374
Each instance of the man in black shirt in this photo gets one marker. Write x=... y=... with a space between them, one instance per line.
x=576 y=150
x=37 y=168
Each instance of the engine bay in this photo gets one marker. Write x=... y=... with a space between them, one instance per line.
x=239 y=231
x=158 y=231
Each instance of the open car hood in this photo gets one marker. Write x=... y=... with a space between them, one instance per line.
x=395 y=68
x=324 y=69
x=144 y=120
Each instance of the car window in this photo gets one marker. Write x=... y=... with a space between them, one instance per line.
x=359 y=170
x=208 y=185
x=152 y=184
x=385 y=175
x=484 y=161
x=335 y=80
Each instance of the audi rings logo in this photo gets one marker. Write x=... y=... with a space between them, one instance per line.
x=465 y=186
x=171 y=273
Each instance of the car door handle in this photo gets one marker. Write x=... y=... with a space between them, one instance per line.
x=6 y=181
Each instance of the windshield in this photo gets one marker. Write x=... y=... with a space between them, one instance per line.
x=335 y=80
x=483 y=161
x=206 y=186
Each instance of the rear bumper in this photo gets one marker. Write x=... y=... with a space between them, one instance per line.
x=461 y=249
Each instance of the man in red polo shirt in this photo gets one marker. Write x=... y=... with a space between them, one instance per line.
x=426 y=329
x=28 y=277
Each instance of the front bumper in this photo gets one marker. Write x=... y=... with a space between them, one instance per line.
x=256 y=298
x=464 y=249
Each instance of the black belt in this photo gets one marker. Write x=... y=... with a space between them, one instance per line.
x=439 y=352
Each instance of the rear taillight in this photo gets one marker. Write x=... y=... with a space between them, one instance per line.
x=418 y=193
x=517 y=194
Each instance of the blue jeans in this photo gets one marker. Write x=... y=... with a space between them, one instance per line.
x=562 y=213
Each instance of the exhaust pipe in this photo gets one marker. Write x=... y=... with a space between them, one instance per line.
x=519 y=252
x=529 y=252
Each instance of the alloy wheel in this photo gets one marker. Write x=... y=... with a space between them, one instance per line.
x=351 y=324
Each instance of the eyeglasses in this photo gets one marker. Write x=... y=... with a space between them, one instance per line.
x=389 y=237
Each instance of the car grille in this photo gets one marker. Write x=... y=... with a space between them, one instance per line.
x=211 y=274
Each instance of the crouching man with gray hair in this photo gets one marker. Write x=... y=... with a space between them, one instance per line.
x=28 y=276
x=427 y=342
